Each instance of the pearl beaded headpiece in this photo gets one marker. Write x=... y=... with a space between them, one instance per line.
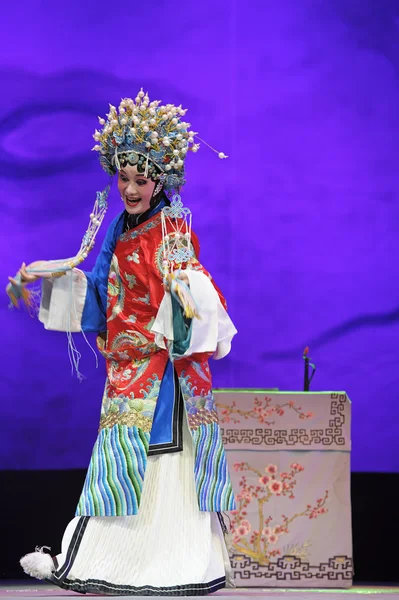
x=152 y=136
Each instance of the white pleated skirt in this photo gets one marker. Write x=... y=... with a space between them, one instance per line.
x=169 y=548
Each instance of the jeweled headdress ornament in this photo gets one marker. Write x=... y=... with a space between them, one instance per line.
x=154 y=137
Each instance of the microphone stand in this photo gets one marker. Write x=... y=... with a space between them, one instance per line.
x=308 y=376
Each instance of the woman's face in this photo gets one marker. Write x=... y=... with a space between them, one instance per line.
x=135 y=189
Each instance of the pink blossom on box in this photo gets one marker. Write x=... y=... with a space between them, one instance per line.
x=241 y=530
x=264 y=480
x=272 y=469
x=267 y=531
x=275 y=487
x=272 y=539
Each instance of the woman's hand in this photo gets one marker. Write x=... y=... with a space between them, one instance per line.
x=25 y=277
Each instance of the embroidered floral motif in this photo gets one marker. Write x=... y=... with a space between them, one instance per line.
x=131 y=280
x=145 y=299
x=134 y=257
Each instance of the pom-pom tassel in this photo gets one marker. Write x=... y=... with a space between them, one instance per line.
x=38 y=564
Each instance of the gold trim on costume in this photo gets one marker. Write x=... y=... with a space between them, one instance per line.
x=130 y=418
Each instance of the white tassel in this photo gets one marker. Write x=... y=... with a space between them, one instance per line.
x=38 y=564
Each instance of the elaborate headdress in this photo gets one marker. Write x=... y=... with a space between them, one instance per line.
x=149 y=135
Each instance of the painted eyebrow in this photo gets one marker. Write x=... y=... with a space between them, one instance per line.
x=122 y=172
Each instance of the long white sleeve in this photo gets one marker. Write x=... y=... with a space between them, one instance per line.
x=212 y=333
x=62 y=302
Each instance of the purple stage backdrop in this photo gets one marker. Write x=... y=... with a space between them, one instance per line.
x=300 y=227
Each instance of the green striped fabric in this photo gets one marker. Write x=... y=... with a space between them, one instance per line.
x=212 y=480
x=114 y=480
